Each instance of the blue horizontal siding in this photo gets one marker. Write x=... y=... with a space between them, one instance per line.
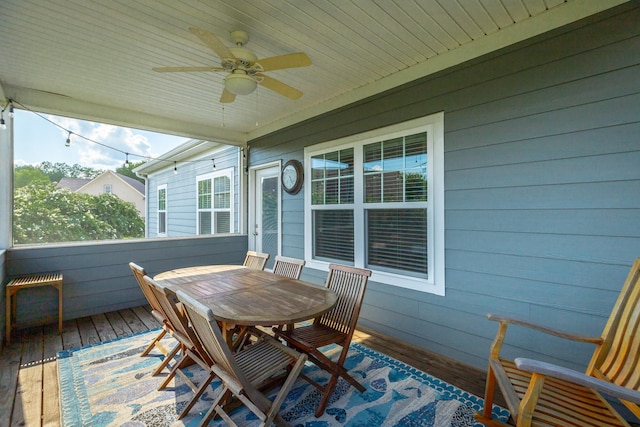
x=542 y=189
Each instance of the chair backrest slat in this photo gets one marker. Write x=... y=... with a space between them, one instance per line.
x=139 y=274
x=176 y=318
x=256 y=260
x=288 y=267
x=207 y=329
x=349 y=284
x=618 y=358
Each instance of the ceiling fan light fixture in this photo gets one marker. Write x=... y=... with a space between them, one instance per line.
x=240 y=84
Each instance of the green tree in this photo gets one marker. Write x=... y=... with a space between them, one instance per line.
x=128 y=171
x=25 y=175
x=56 y=171
x=44 y=213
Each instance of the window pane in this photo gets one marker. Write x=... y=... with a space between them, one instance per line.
x=162 y=199
x=346 y=162
x=162 y=222
x=373 y=157
x=223 y=222
x=415 y=187
x=392 y=153
x=222 y=201
x=397 y=240
x=317 y=167
x=346 y=190
x=317 y=193
x=403 y=165
x=332 y=178
x=204 y=194
x=204 y=222
x=333 y=235
x=332 y=165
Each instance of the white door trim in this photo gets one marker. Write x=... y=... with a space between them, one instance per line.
x=251 y=203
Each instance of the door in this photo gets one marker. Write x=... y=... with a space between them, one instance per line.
x=264 y=225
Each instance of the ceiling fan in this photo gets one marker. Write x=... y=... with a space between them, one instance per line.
x=245 y=70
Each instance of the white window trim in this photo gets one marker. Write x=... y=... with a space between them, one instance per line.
x=222 y=172
x=108 y=189
x=434 y=126
x=166 y=209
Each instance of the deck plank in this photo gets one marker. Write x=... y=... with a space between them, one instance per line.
x=50 y=387
x=103 y=327
x=133 y=321
x=145 y=317
x=118 y=324
x=88 y=333
x=9 y=368
x=27 y=409
x=70 y=335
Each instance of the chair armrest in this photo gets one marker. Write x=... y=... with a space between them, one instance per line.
x=576 y=377
x=550 y=331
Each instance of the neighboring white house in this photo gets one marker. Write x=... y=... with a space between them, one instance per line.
x=193 y=189
x=124 y=187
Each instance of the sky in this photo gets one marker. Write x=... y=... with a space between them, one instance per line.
x=41 y=137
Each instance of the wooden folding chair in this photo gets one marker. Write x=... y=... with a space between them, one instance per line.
x=156 y=311
x=190 y=347
x=288 y=267
x=542 y=394
x=256 y=260
x=334 y=327
x=244 y=372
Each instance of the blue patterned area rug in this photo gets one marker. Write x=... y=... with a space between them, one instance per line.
x=109 y=384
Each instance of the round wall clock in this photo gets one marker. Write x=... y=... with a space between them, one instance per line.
x=292 y=176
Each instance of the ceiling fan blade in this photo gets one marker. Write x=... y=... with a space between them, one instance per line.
x=213 y=42
x=291 y=60
x=279 y=87
x=188 y=69
x=227 y=96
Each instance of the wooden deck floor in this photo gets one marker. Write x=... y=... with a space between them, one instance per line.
x=29 y=393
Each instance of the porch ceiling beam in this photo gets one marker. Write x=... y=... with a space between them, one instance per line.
x=62 y=105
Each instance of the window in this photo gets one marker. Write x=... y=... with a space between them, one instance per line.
x=376 y=200
x=215 y=202
x=107 y=188
x=162 y=210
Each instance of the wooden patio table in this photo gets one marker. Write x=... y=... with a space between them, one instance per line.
x=242 y=297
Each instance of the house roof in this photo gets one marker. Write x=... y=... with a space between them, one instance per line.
x=188 y=150
x=75 y=184
x=94 y=59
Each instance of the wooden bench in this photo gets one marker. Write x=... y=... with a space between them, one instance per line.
x=31 y=281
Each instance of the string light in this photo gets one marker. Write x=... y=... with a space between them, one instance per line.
x=126 y=162
x=175 y=168
x=10 y=108
x=214 y=163
x=68 y=140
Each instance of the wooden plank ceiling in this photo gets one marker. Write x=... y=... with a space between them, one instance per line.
x=94 y=58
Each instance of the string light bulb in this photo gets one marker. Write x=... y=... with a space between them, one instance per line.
x=2 y=123
x=11 y=109
x=175 y=168
x=67 y=143
x=214 y=163
x=126 y=162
